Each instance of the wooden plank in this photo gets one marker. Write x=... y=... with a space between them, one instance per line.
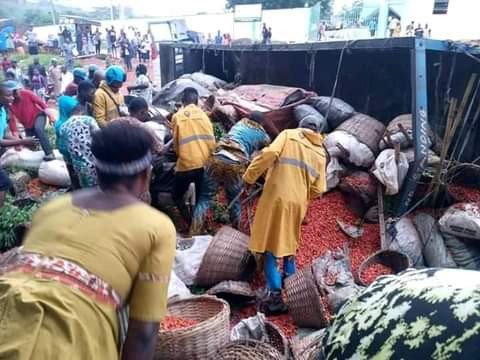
x=381 y=218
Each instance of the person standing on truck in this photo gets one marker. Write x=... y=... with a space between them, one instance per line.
x=296 y=173
x=194 y=142
x=229 y=161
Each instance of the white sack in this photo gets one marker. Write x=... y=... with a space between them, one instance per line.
x=462 y=220
x=390 y=172
x=176 y=287
x=334 y=171
x=25 y=159
x=359 y=154
x=402 y=236
x=54 y=173
x=160 y=131
x=187 y=262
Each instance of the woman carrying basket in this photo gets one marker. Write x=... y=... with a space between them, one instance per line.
x=86 y=257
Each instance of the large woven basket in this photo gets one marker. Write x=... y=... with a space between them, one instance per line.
x=396 y=260
x=247 y=350
x=365 y=129
x=303 y=300
x=202 y=340
x=227 y=258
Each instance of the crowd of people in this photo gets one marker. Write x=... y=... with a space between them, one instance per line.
x=419 y=31
x=58 y=264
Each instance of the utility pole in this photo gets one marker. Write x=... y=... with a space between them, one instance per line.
x=53 y=12
x=112 y=15
x=382 y=18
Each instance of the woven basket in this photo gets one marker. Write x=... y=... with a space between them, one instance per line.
x=227 y=258
x=308 y=348
x=303 y=300
x=277 y=339
x=396 y=260
x=365 y=129
x=239 y=288
x=247 y=350
x=202 y=340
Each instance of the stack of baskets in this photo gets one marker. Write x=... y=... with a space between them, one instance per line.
x=200 y=341
x=304 y=300
x=227 y=258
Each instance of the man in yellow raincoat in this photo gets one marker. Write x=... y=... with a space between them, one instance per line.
x=194 y=142
x=296 y=164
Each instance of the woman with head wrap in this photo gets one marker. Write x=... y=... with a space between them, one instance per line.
x=87 y=256
x=108 y=99
x=75 y=139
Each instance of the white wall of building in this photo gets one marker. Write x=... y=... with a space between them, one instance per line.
x=289 y=25
x=460 y=23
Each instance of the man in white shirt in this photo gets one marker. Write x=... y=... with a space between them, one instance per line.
x=143 y=85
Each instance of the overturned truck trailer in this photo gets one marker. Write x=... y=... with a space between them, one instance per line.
x=380 y=77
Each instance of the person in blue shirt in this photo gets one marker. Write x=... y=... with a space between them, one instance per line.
x=218 y=38
x=6 y=99
x=227 y=165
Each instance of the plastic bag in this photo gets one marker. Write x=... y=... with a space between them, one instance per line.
x=25 y=159
x=173 y=91
x=462 y=220
x=209 y=82
x=402 y=236
x=187 y=262
x=304 y=111
x=332 y=274
x=20 y=180
x=465 y=252
x=54 y=173
x=176 y=287
x=356 y=153
x=250 y=328
x=434 y=250
x=339 y=110
x=391 y=172
x=334 y=173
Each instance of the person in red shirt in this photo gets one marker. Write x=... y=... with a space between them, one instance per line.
x=29 y=110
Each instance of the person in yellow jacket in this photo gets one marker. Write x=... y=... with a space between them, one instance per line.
x=296 y=173
x=194 y=142
x=108 y=101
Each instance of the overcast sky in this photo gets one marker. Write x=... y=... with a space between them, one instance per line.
x=155 y=7
x=167 y=7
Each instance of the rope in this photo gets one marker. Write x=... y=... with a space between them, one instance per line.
x=337 y=76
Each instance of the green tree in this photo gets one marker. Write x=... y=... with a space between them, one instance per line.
x=283 y=4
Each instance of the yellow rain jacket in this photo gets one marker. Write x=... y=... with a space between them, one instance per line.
x=106 y=105
x=296 y=164
x=193 y=138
